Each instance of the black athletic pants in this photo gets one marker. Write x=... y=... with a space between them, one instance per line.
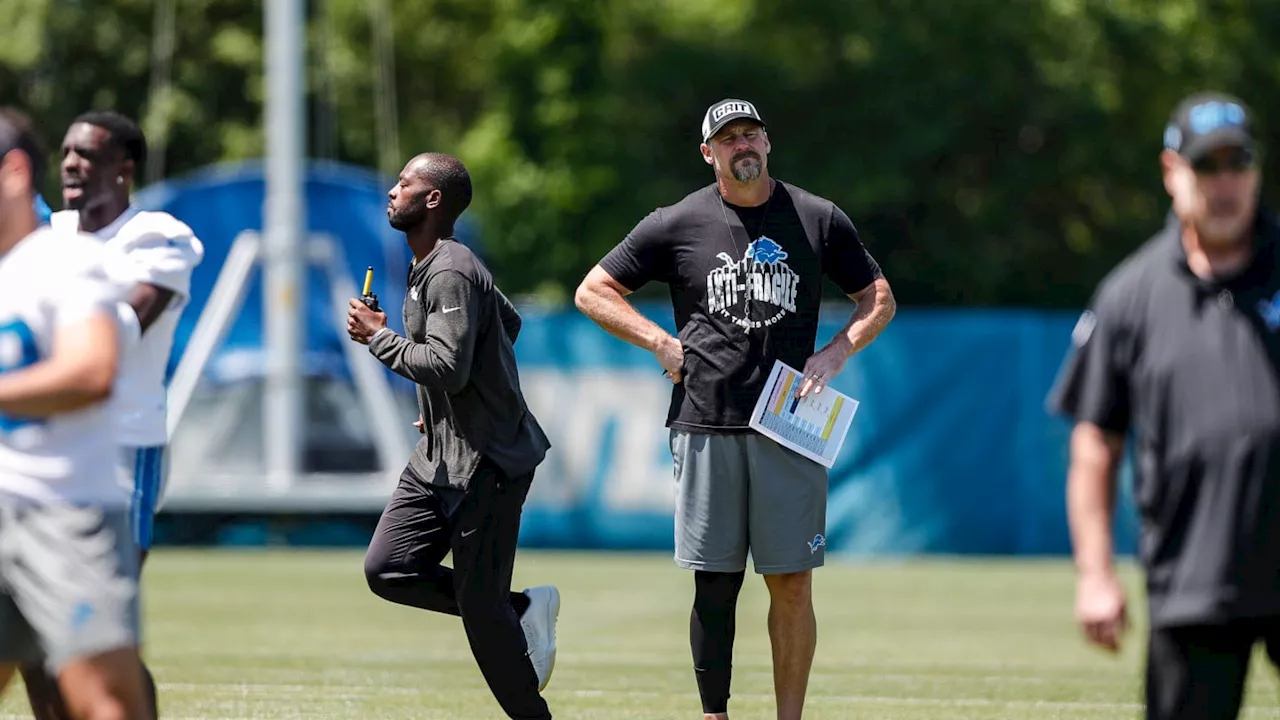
x=420 y=525
x=1198 y=672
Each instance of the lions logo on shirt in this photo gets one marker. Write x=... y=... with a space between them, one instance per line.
x=761 y=276
x=17 y=350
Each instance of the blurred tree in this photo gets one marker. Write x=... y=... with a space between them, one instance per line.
x=98 y=54
x=991 y=153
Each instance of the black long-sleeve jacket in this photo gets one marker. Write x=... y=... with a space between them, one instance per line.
x=460 y=352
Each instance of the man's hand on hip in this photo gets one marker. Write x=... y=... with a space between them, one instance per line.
x=362 y=322
x=670 y=354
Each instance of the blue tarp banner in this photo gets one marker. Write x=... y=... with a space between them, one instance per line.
x=951 y=450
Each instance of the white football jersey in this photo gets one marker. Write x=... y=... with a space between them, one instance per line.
x=49 y=280
x=155 y=248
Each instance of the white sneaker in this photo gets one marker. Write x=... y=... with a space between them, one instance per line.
x=539 y=623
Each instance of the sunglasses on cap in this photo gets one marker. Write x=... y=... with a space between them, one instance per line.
x=1238 y=160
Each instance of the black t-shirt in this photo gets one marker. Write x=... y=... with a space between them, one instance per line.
x=1190 y=367
x=746 y=284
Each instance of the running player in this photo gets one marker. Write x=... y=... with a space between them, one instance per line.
x=68 y=573
x=155 y=254
x=464 y=488
x=100 y=153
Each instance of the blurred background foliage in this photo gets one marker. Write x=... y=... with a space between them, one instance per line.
x=991 y=153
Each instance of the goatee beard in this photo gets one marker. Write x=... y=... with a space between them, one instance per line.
x=746 y=172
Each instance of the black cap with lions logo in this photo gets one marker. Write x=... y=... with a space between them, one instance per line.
x=725 y=112
x=1206 y=121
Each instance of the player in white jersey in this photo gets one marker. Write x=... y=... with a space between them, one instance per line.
x=155 y=254
x=68 y=571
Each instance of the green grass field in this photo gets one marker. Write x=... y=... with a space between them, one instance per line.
x=280 y=634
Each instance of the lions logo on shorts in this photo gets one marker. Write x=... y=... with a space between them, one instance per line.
x=817 y=542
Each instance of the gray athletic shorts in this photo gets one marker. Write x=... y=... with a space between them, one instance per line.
x=740 y=493
x=68 y=583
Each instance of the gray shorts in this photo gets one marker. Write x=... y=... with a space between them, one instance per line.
x=68 y=583
x=740 y=493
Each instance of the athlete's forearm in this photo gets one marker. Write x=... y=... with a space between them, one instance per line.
x=80 y=373
x=1091 y=484
x=444 y=360
x=48 y=389
x=149 y=302
x=611 y=311
x=875 y=308
x=421 y=363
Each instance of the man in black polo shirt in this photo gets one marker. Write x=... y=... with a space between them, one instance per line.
x=1180 y=346
x=744 y=258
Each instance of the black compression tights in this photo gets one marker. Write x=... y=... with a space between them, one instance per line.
x=711 y=628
